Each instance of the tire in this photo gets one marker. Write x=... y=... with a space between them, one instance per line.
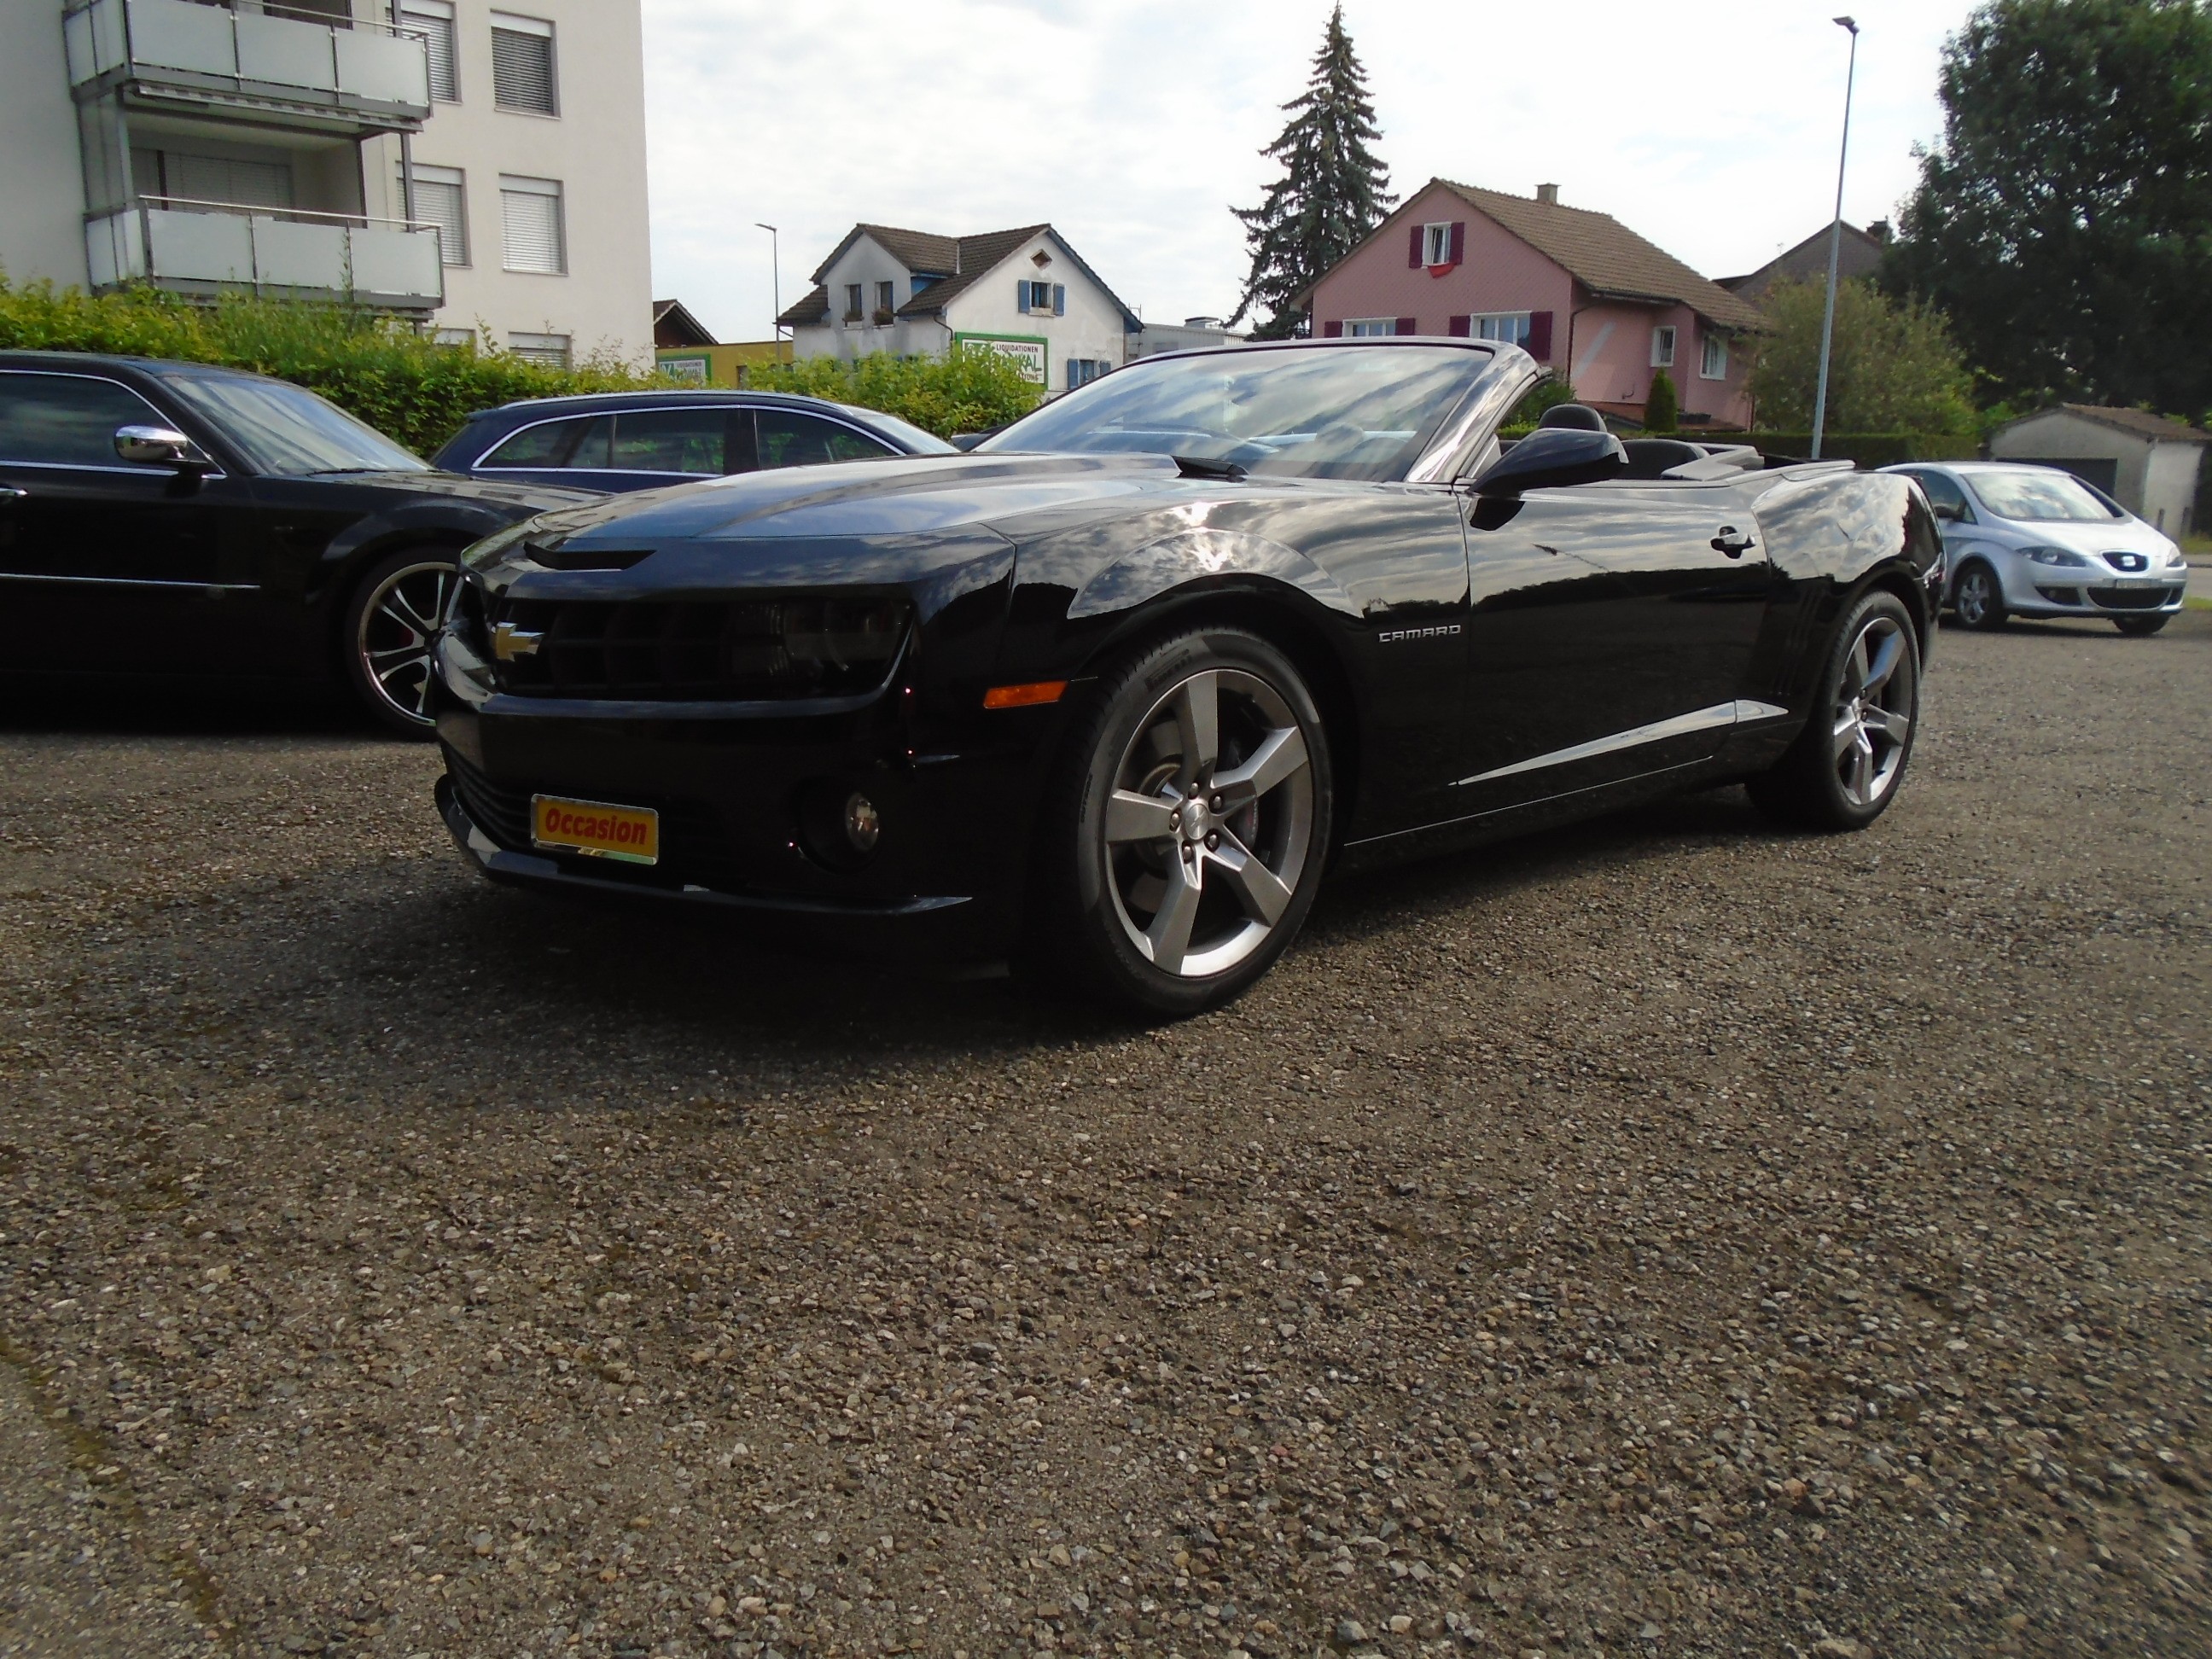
x=1162 y=913
x=2142 y=625
x=1978 y=599
x=390 y=621
x=1848 y=764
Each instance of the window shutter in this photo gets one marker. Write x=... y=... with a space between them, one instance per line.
x=1458 y=241
x=1059 y=299
x=434 y=22
x=1404 y=325
x=1460 y=327
x=1539 y=335
x=522 y=70
x=530 y=217
x=1331 y=331
x=1022 y=294
x=1413 y=249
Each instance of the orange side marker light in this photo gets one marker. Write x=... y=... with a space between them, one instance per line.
x=1024 y=696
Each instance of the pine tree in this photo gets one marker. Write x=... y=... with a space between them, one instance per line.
x=1662 y=406
x=1333 y=191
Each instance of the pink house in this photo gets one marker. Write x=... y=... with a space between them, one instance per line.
x=1578 y=290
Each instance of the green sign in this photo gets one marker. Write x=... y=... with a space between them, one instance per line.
x=1027 y=349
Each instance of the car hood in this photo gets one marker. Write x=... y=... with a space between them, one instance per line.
x=910 y=495
x=2130 y=535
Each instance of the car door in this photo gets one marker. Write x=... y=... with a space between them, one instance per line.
x=1962 y=533
x=1612 y=627
x=109 y=566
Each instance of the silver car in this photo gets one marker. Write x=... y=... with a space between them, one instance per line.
x=2035 y=541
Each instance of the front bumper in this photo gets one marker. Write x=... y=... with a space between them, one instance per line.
x=949 y=929
x=2034 y=590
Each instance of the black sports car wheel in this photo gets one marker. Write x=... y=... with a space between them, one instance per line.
x=387 y=632
x=1845 y=767
x=1192 y=824
x=2143 y=624
x=1978 y=600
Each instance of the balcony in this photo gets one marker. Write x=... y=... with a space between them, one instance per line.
x=291 y=69
x=206 y=247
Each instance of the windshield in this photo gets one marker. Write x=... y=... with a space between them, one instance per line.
x=1325 y=412
x=920 y=442
x=289 y=431
x=2041 y=497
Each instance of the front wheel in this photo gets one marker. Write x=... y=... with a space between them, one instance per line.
x=2139 y=625
x=1845 y=767
x=385 y=637
x=1190 y=825
x=1978 y=599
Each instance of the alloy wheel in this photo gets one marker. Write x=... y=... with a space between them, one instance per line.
x=1875 y=702
x=399 y=623
x=1976 y=597
x=1210 y=824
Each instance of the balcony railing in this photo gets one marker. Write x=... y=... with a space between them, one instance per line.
x=203 y=247
x=348 y=75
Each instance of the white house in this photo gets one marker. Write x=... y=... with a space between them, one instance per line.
x=459 y=162
x=1023 y=292
x=2147 y=462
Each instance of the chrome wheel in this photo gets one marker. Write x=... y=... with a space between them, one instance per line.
x=1210 y=824
x=399 y=620
x=1876 y=701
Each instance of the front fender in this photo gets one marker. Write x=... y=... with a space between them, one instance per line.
x=1195 y=556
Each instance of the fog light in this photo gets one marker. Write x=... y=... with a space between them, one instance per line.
x=862 y=825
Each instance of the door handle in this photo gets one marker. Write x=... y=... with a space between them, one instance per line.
x=1733 y=541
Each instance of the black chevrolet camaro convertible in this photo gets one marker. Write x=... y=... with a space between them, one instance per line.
x=1112 y=691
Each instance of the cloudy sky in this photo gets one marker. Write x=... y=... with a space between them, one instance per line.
x=1134 y=126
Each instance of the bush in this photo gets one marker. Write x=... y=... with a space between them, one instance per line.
x=1892 y=367
x=372 y=365
x=971 y=388
x=1661 y=408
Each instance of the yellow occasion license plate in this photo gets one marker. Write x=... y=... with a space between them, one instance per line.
x=596 y=829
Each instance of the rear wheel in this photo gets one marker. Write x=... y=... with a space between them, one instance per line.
x=2149 y=624
x=385 y=637
x=1978 y=600
x=1845 y=767
x=1190 y=825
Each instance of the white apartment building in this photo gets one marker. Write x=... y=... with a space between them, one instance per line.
x=1023 y=292
x=476 y=168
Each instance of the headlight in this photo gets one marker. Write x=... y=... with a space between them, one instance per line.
x=2053 y=555
x=2175 y=555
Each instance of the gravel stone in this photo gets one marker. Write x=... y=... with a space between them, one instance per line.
x=1665 y=1235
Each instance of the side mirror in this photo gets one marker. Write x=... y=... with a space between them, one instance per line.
x=1552 y=458
x=159 y=446
x=1949 y=512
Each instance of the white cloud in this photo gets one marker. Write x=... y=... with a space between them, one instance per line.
x=1134 y=127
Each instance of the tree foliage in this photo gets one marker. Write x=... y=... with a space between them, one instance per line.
x=374 y=367
x=1663 y=408
x=1334 y=190
x=2065 y=224
x=1893 y=367
x=971 y=388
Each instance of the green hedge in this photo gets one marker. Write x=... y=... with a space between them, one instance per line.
x=374 y=367
x=971 y=388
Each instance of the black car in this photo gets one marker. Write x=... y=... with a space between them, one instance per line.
x=647 y=440
x=173 y=519
x=1115 y=689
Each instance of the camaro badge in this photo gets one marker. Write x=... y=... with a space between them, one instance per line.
x=509 y=642
x=1442 y=631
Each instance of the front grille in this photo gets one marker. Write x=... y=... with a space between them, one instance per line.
x=2128 y=560
x=2060 y=595
x=696 y=651
x=2132 y=598
x=695 y=847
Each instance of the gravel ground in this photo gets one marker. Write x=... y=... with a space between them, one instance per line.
x=1666 y=1237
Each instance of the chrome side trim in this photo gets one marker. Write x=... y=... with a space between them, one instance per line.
x=129 y=581
x=1680 y=726
x=1747 y=710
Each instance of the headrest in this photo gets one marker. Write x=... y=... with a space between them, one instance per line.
x=1577 y=418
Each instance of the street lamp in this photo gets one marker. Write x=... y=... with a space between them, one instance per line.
x=1835 y=242
x=776 y=279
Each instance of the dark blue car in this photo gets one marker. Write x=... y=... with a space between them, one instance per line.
x=645 y=439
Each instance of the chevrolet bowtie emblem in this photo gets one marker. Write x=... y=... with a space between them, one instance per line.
x=509 y=642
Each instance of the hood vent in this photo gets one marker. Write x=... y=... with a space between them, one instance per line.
x=568 y=556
